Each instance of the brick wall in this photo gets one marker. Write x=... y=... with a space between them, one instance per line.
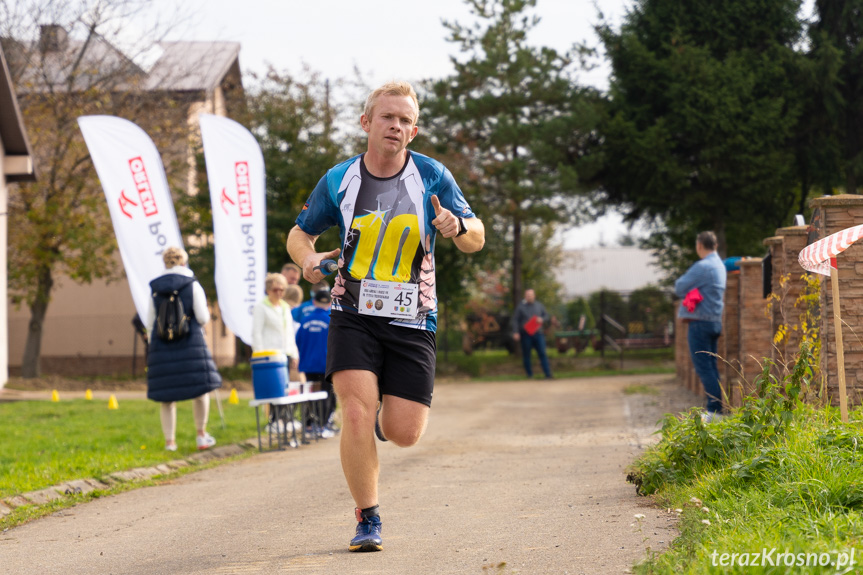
x=838 y=213
x=793 y=242
x=729 y=343
x=755 y=336
x=777 y=258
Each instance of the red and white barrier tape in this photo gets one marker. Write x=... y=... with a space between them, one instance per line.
x=816 y=257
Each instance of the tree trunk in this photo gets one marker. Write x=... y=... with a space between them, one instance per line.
x=30 y=367
x=721 y=241
x=516 y=261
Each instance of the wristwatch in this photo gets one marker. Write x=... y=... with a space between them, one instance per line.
x=462 y=228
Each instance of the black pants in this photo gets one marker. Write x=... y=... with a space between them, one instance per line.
x=330 y=401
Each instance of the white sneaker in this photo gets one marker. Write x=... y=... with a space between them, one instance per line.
x=206 y=442
x=171 y=447
x=277 y=426
x=711 y=417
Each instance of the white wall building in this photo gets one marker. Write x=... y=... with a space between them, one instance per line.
x=585 y=271
x=16 y=165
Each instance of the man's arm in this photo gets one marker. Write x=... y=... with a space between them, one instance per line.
x=516 y=323
x=474 y=239
x=694 y=277
x=301 y=248
x=447 y=224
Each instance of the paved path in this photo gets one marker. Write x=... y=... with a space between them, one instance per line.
x=520 y=477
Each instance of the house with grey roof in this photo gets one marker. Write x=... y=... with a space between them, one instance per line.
x=88 y=329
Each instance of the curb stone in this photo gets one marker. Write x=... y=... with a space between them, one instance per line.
x=44 y=496
x=76 y=486
x=17 y=501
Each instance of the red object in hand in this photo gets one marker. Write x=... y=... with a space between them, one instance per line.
x=692 y=299
x=532 y=325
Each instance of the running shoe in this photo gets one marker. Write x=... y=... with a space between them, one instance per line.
x=368 y=536
x=206 y=442
x=378 y=431
x=711 y=417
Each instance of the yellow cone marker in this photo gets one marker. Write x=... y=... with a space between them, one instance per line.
x=234 y=399
x=55 y=396
x=112 y=402
x=88 y=394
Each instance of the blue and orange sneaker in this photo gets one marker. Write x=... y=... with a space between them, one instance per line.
x=368 y=537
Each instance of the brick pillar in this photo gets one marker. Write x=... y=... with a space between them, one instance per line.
x=729 y=343
x=755 y=337
x=681 y=351
x=777 y=258
x=838 y=213
x=686 y=375
x=793 y=242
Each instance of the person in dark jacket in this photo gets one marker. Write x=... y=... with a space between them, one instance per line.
x=181 y=369
x=527 y=324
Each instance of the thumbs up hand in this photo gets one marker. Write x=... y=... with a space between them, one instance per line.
x=445 y=221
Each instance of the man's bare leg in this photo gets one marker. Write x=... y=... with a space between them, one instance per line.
x=403 y=421
x=357 y=391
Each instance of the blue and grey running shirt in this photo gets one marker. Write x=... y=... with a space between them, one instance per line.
x=385 y=227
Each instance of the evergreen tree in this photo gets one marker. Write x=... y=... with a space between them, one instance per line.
x=833 y=148
x=701 y=119
x=514 y=124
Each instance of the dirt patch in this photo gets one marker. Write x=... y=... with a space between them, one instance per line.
x=646 y=409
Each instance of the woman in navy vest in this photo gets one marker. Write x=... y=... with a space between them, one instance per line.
x=183 y=368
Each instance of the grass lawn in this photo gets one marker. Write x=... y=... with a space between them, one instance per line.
x=498 y=365
x=45 y=443
x=775 y=488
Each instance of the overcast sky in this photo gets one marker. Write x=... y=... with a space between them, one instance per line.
x=387 y=39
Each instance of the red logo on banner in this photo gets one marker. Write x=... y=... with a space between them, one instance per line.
x=225 y=200
x=142 y=184
x=244 y=195
x=124 y=201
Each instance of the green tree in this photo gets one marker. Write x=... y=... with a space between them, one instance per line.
x=651 y=307
x=294 y=120
x=701 y=118
x=574 y=312
x=518 y=121
x=831 y=137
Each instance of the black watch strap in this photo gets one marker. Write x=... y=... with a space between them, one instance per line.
x=462 y=227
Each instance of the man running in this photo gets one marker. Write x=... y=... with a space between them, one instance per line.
x=388 y=203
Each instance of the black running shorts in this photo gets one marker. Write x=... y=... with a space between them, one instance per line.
x=403 y=358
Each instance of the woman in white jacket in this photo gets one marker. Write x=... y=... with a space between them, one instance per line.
x=273 y=329
x=272 y=325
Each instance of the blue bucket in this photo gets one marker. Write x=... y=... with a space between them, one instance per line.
x=269 y=374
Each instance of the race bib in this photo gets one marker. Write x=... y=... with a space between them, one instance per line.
x=388 y=299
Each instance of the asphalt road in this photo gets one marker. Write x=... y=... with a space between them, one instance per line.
x=516 y=477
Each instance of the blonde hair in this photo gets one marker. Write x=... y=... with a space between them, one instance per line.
x=275 y=279
x=294 y=295
x=394 y=88
x=174 y=256
x=290 y=266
